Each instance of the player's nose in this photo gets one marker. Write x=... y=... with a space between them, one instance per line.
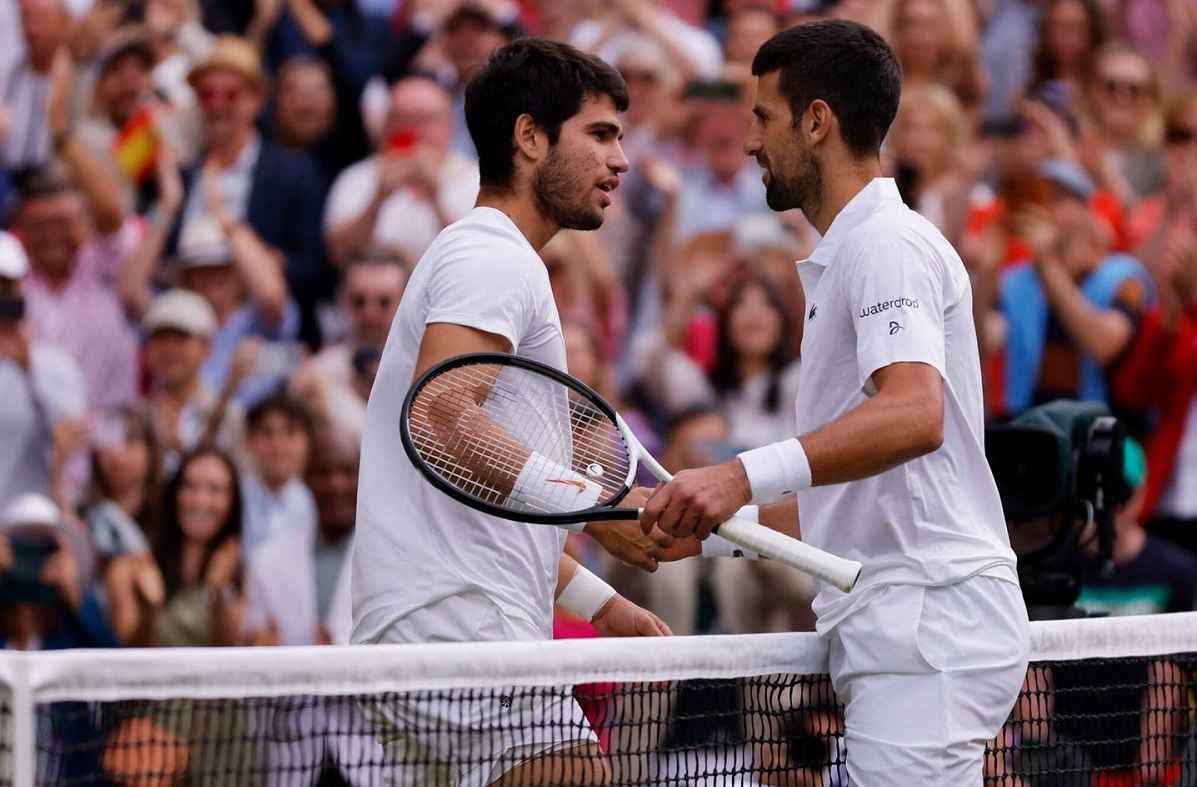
x=619 y=161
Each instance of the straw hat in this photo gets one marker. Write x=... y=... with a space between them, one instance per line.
x=231 y=53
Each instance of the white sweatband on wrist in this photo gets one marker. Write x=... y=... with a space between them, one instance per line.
x=716 y=545
x=776 y=469
x=544 y=485
x=585 y=594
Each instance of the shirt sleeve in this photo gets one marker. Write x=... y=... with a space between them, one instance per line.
x=483 y=289
x=896 y=294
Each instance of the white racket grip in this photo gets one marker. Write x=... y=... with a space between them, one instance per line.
x=840 y=572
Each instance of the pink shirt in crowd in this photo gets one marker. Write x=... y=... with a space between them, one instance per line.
x=85 y=318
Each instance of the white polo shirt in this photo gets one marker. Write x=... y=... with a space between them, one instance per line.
x=883 y=286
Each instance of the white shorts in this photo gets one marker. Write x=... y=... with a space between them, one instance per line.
x=928 y=675
x=471 y=737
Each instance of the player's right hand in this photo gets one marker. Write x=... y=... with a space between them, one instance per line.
x=625 y=541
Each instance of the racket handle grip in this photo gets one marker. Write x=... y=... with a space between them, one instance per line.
x=840 y=572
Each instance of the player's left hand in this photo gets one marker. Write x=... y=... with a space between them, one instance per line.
x=696 y=501
x=621 y=618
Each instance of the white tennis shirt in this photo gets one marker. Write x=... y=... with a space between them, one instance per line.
x=883 y=286
x=414 y=545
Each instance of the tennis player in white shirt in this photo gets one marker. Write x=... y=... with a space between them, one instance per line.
x=929 y=651
x=545 y=120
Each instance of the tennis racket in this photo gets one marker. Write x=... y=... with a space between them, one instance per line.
x=523 y=441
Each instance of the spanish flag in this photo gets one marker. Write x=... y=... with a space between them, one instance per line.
x=136 y=146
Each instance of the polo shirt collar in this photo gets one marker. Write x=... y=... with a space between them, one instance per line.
x=878 y=193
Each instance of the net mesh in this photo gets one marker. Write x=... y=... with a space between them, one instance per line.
x=476 y=425
x=634 y=713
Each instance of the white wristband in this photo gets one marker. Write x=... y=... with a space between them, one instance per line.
x=585 y=594
x=776 y=469
x=717 y=546
x=544 y=485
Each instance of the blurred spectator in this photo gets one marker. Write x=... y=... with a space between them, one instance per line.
x=44 y=578
x=77 y=240
x=41 y=390
x=280 y=522
x=1164 y=31
x=121 y=502
x=693 y=51
x=749 y=26
x=936 y=42
x=26 y=60
x=122 y=113
x=1124 y=103
x=1008 y=41
x=249 y=184
x=1150 y=575
x=199 y=556
x=242 y=280
x=411 y=188
x=335 y=383
x=927 y=144
x=651 y=81
x=332 y=477
x=1070 y=33
x=725 y=185
x=305 y=112
x=1167 y=221
x=179 y=327
x=1071 y=312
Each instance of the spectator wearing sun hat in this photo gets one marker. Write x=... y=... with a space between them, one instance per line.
x=179 y=327
x=250 y=185
x=41 y=388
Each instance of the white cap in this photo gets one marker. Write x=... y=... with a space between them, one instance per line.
x=181 y=310
x=202 y=242
x=31 y=509
x=14 y=264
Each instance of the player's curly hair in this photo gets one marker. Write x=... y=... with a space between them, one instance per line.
x=547 y=80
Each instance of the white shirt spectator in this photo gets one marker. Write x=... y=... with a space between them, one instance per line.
x=30 y=404
x=406 y=221
x=883 y=286
x=700 y=47
x=289 y=512
x=707 y=205
x=23 y=94
x=414 y=545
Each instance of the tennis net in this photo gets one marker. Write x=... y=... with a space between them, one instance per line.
x=1107 y=702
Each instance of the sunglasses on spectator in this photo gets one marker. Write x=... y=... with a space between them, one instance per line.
x=1179 y=135
x=358 y=301
x=638 y=75
x=1125 y=88
x=212 y=95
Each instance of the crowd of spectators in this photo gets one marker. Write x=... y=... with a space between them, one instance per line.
x=211 y=208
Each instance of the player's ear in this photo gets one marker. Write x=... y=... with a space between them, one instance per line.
x=530 y=139
x=817 y=121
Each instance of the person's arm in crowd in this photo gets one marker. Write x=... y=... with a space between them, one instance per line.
x=93 y=177
x=135 y=592
x=311 y=21
x=352 y=236
x=1102 y=334
x=244 y=360
x=1182 y=40
x=655 y=23
x=263 y=22
x=136 y=275
x=259 y=265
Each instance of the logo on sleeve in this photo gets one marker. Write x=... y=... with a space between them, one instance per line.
x=814 y=307
x=894 y=327
x=901 y=302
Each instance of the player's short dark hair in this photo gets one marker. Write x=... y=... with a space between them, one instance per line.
x=548 y=80
x=847 y=65
x=280 y=403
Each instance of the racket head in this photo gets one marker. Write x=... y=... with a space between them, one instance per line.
x=531 y=401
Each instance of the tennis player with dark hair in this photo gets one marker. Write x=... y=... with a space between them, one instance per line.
x=545 y=120
x=929 y=651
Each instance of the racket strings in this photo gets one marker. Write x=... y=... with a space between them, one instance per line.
x=476 y=426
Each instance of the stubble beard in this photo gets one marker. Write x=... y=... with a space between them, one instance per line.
x=804 y=190
x=555 y=187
